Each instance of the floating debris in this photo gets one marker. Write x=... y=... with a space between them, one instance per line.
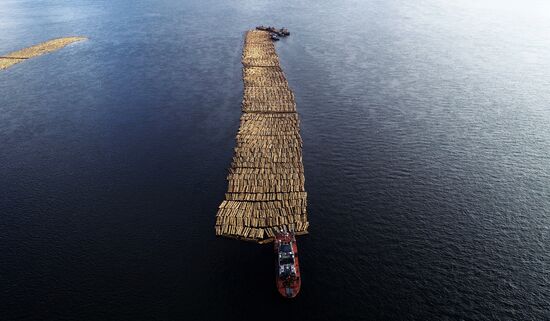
x=15 y=57
x=266 y=190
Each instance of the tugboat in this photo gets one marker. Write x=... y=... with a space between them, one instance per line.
x=288 y=268
x=276 y=34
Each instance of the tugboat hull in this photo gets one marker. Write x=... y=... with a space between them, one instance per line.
x=288 y=278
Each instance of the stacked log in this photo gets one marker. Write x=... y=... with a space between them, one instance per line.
x=266 y=180
x=15 y=57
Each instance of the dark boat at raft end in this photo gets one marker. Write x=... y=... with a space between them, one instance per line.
x=275 y=33
x=288 y=266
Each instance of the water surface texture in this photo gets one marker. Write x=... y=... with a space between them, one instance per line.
x=426 y=149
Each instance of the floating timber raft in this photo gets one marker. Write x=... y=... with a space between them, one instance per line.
x=16 y=57
x=266 y=179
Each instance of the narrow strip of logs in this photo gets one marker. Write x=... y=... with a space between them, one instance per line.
x=16 y=57
x=266 y=179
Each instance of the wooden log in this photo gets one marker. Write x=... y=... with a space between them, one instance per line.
x=266 y=179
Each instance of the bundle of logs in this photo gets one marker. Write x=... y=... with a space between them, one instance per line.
x=266 y=179
x=16 y=57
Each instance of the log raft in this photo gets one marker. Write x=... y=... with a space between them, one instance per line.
x=266 y=180
x=16 y=57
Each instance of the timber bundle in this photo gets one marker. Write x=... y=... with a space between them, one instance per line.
x=266 y=191
x=16 y=57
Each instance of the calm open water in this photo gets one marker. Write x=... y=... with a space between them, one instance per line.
x=426 y=147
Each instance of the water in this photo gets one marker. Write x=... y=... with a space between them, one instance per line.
x=426 y=149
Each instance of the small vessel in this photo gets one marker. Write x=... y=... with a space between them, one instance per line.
x=275 y=33
x=288 y=267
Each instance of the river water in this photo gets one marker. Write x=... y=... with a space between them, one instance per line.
x=426 y=149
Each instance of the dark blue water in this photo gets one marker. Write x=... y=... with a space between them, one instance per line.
x=426 y=148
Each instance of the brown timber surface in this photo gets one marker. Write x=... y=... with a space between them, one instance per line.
x=266 y=179
x=16 y=57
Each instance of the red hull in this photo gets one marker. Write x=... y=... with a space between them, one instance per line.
x=288 y=267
